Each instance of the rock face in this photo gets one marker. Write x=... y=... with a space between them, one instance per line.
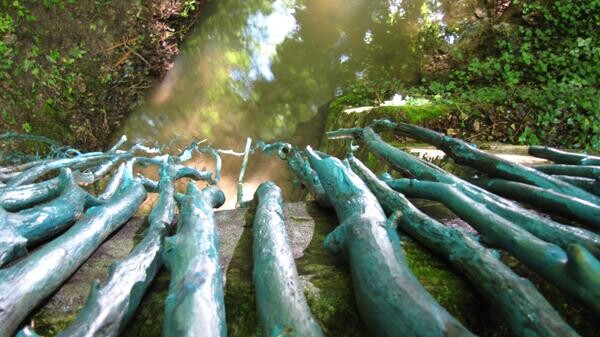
x=324 y=276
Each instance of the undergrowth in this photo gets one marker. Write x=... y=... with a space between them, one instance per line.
x=532 y=80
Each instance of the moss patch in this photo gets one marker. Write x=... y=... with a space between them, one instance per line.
x=240 y=301
x=328 y=285
x=452 y=290
x=148 y=318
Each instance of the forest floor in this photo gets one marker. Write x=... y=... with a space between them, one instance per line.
x=71 y=70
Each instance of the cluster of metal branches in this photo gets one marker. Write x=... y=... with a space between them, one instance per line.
x=565 y=251
x=66 y=224
x=36 y=208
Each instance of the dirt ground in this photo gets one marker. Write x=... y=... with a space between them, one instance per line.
x=71 y=70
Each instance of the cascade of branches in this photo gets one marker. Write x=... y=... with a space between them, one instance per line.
x=391 y=301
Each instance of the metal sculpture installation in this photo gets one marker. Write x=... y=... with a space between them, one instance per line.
x=390 y=299
x=570 y=264
x=542 y=227
x=281 y=305
x=27 y=283
x=109 y=308
x=384 y=287
x=487 y=273
x=195 y=303
x=573 y=270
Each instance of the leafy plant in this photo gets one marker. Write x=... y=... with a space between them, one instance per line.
x=547 y=67
x=188 y=7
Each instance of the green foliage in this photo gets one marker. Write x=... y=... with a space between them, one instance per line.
x=188 y=7
x=57 y=3
x=544 y=69
x=43 y=82
x=365 y=92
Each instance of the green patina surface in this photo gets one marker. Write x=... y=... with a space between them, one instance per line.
x=325 y=277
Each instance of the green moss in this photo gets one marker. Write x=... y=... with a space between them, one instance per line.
x=338 y=119
x=240 y=301
x=412 y=114
x=327 y=283
x=453 y=291
x=51 y=325
x=148 y=318
x=448 y=287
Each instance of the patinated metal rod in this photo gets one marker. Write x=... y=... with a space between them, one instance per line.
x=7 y=176
x=105 y=162
x=299 y=166
x=538 y=225
x=17 y=198
x=282 y=307
x=545 y=229
x=590 y=185
x=466 y=154
x=195 y=304
x=563 y=157
x=584 y=171
x=390 y=299
x=302 y=170
x=44 y=221
x=26 y=284
x=574 y=270
x=30 y=175
x=514 y=297
x=580 y=210
x=113 y=185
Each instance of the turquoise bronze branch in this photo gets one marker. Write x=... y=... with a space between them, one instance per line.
x=44 y=221
x=544 y=228
x=19 y=197
x=195 y=304
x=104 y=162
x=282 y=307
x=390 y=299
x=298 y=164
x=109 y=308
x=26 y=284
x=590 y=185
x=514 y=297
x=113 y=185
x=30 y=175
x=574 y=270
x=584 y=171
x=579 y=210
x=466 y=154
x=563 y=157
x=302 y=170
